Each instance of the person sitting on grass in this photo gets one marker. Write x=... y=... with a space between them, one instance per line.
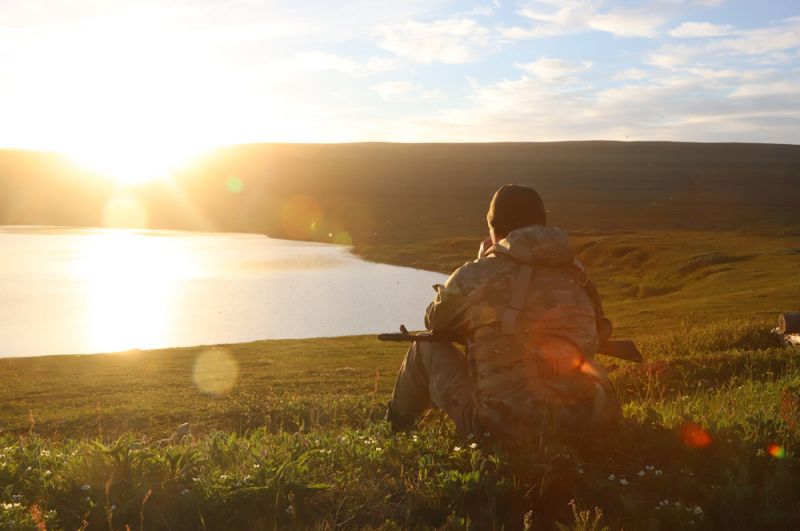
x=528 y=318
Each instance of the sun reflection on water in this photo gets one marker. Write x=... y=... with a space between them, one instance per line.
x=132 y=280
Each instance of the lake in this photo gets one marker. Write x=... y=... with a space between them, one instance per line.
x=68 y=291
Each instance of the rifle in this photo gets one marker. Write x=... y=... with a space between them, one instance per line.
x=623 y=349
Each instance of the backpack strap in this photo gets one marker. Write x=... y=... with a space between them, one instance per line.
x=579 y=274
x=522 y=281
x=519 y=291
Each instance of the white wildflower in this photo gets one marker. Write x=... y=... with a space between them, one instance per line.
x=641 y=474
x=184 y=492
x=223 y=477
x=612 y=477
x=697 y=510
x=256 y=465
x=47 y=473
x=623 y=481
x=664 y=502
x=113 y=507
x=657 y=472
x=677 y=504
x=649 y=467
x=44 y=453
x=456 y=449
x=290 y=510
x=86 y=487
x=473 y=445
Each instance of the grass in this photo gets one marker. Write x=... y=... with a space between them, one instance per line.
x=299 y=442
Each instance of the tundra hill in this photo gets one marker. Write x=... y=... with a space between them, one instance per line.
x=373 y=193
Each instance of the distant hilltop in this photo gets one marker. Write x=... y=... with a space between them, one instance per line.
x=374 y=192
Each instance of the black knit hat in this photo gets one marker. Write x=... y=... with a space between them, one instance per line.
x=513 y=207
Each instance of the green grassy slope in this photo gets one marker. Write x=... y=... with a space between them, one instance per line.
x=302 y=443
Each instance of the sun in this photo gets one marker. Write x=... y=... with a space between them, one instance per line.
x=133 y=164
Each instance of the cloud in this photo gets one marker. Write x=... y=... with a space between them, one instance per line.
x=683 y=106
x=316 y=61
x=768 y=44
x=630 y=74
x=700 y=29
x=479 y=11
x=405 y=91
x=552 y=18
x=450 y=41
x=551 y=70
x=776 y=88
x=629 y=22
x=393 y=90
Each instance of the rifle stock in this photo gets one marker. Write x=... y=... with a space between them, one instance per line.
x=623 y=349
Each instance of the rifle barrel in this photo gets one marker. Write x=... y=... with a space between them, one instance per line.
x=623 y=349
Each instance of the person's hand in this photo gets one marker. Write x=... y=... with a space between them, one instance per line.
x=485 y=245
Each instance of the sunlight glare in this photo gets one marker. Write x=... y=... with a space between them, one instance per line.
x=132 y=281
x=130 y=166
x=124 y=211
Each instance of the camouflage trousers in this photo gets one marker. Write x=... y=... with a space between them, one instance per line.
x=435 y=374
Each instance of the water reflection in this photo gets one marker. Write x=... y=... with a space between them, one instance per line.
x=131 y=280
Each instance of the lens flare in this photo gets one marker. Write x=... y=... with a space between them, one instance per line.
x=694 y=436
x=342 y=238
x=301 y=218
x=234 y=185
x=775 y=450
x=215 y=372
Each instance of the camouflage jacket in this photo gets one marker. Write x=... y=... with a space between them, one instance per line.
x=555 y=330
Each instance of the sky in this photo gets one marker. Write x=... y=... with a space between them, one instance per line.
x=92 y=75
